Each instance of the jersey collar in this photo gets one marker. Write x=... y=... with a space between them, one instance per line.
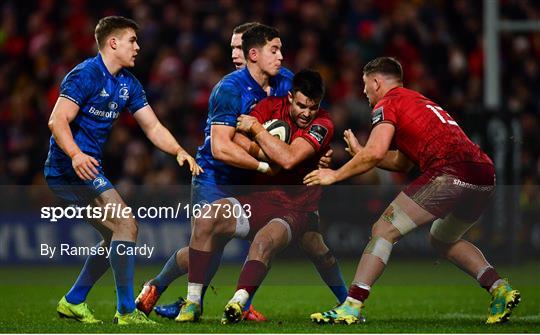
x=104 y=69
x=256 y=85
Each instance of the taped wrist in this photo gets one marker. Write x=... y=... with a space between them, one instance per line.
x=263 y=167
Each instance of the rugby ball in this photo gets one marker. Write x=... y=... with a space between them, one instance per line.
x=279 y=129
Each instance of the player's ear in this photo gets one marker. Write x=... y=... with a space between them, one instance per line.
x=377 y=82
x=253 y=54
x=113 y=43
x=290 y=97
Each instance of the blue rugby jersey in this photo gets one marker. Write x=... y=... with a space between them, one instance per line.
x=236 y=94
x=101 y=97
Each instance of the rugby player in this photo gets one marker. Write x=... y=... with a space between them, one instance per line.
x=276 y=215
x=206 y=189
x=456 y=183
x=92 y=96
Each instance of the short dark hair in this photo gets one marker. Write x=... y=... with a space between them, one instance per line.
x=244 y=27
x=310 y=83
x=385 y=65
x=257 y=36
x=110 y=24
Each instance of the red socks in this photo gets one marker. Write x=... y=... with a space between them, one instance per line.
x=252 y=276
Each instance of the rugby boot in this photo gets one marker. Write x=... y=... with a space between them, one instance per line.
x=503 y=300
x=134 y=318
x=146 y=300
x=170 y=311
x=232 y=313
x=252 y=315
x=189 y=312
x=347 y=313
x=80 y=312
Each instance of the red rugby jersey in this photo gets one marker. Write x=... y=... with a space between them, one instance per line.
x=288 y=189
x=425 y=132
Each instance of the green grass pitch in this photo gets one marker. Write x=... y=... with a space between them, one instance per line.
x=411 y=297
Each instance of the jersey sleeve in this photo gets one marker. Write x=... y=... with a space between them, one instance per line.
x=76 y=86
x=225 y=105
x=263 y=110
x=137 y=98
x=319 y=133
x=383 y=112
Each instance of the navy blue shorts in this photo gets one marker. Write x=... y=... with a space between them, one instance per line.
x=65 y=183
x=205 y=193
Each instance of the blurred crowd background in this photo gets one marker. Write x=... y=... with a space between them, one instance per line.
x=185 y=51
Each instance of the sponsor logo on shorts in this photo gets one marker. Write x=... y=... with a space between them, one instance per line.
x=99 y=182
x=377 y=115
x=318 y=132
x=483 y=188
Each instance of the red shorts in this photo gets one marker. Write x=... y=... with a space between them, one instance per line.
x=463 y=189
x=262 y=211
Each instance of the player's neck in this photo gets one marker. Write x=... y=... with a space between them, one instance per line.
x=262 y=78
x=388 y=88
x=112 y=66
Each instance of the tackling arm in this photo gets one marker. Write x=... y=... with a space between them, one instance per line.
x=249 y=146
x=229 y=152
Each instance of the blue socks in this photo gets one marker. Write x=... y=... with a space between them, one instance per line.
x=170 y=272
x=332 y=277
x=94 y=267
x=123 y=267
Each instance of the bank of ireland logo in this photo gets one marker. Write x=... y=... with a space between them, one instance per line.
x=113 y=106
x=124 y=93
x=99 y=182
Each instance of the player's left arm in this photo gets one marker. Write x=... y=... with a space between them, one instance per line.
x=162 y=138
x=364 y=160
x=285 y=155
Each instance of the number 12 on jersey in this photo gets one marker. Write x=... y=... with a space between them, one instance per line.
x=439 y=112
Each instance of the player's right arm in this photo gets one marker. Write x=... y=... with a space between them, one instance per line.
x=224 y=107
x=394 y=160
x=227 y=151
x=63 y=113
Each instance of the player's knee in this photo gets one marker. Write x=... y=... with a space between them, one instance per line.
x=182 y=257
x=126 y=227
x=262 y=248
x=313 y=243
x=440 y=246
x=383 y=228
x=203 y=227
